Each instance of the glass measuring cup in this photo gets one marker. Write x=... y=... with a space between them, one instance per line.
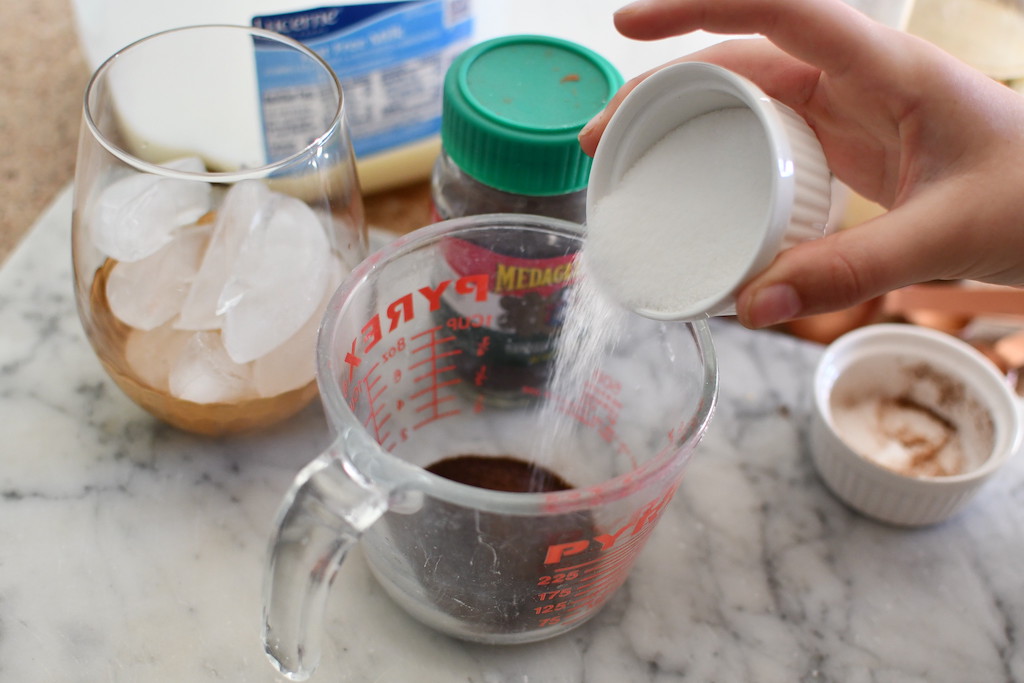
x=607 y=447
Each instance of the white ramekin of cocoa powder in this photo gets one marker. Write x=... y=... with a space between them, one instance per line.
x=909 y=422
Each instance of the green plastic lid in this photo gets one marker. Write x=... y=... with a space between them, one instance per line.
x=514 y=106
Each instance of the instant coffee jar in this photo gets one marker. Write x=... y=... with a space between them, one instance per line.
x=513 y=108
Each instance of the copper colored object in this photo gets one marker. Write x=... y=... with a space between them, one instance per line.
x=1011 y=348
x=209 y=419
x=990 y=352
x=825 y=328
x=948 y=307
x=952 y=306
x=950 y=323
x=957 y=300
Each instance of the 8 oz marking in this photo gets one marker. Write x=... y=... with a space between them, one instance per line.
x=394 y=350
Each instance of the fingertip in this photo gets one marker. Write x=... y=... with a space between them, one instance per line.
x=832 y=273
x=590 y=134
x=769 y=305
x=631 y=8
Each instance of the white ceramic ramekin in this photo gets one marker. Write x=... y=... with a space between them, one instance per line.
x=888 y=358
x=800 y=178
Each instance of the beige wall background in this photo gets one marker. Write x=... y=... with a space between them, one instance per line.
x=44 y=76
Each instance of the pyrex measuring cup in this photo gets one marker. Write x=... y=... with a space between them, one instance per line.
x=602 y=453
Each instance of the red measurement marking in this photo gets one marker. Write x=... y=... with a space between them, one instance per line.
x=608 y=545
x=377 y=418
x=587 y=585
x=600 y=592
x=351 y=359
x=371 y=382
x=433 y=409
x=602 y=391
x=599 y=579
x=482 y=347
x=557 y=578
x=581 y=565
x=433 y=362
x=481 y=376
x=432 y=369
x=347 y=376
x=640 y=523
x=599 y=583
x=614 y=561
x=630 y=544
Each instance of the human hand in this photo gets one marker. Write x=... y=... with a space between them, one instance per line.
x=901 y=123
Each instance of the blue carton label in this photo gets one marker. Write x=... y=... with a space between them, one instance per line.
x=391 y=59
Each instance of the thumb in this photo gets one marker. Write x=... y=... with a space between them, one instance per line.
x=846 y=268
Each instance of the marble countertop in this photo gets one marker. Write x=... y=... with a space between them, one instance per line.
x=133 y=552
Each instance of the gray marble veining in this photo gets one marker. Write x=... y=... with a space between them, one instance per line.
x=132 y=552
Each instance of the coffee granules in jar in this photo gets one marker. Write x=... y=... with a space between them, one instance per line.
x=513 y=108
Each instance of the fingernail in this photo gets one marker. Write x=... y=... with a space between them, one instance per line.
x=588 y=127
x=633 y=6
x=773 y=304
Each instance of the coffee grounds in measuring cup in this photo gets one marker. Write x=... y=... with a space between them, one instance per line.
x=502 y=473
x=488 y=569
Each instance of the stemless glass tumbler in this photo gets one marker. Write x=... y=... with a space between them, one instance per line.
x=216 y=209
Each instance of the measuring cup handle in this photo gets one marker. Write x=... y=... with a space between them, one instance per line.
x=323 y=515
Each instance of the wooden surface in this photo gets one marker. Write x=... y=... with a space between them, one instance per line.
x=44 y=76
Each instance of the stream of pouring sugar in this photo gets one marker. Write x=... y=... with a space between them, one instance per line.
x=590 y=324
